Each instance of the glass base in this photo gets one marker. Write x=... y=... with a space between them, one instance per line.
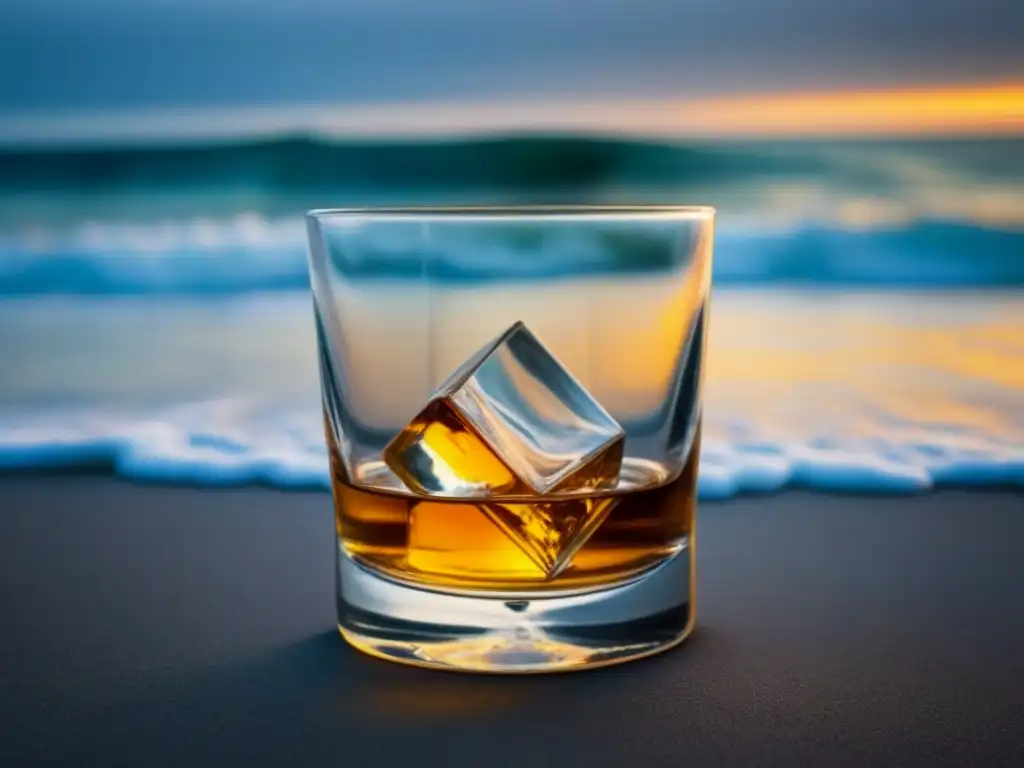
x=516 y=634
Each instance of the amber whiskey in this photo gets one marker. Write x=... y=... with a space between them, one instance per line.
x=519 y=543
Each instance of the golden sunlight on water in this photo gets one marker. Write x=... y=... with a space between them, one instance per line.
x=857 y=362
x=791 y=364
x=788 y=362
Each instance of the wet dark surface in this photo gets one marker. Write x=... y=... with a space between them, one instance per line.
x=169 y=626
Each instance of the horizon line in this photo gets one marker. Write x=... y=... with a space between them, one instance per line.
x=982 y=111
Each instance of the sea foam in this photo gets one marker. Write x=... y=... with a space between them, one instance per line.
x=200 y=445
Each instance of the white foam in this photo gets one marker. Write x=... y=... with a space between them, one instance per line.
x=227 y=443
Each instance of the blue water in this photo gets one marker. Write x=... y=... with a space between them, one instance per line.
x=866 y=333
x=225 y=216
x=252 y=254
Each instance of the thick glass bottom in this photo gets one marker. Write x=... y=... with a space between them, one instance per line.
x=516 y=634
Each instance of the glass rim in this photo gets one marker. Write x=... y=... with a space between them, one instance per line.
x=516 y=211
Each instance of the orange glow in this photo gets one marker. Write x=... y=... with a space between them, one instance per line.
x=988 y=109
x=787 y=362
x=983 y=109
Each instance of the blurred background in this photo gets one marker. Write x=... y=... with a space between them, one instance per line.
x=866 y=158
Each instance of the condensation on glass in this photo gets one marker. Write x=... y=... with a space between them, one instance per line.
x=512 y=405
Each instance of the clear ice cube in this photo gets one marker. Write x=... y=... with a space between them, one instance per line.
x=551 y=533
x=510 y=420
x=532 y=541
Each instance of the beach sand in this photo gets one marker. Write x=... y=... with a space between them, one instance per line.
x=156 y=626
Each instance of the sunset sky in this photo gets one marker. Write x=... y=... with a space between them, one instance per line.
x=372 y=66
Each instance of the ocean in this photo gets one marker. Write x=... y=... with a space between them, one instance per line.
x=867 y=331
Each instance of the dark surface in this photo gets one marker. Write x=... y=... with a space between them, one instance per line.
x=155 y=626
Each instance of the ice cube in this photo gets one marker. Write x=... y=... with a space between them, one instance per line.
x=550 y=533
x=511 y=419
x=522 y=541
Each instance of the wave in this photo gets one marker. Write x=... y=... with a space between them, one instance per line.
x=249 y=253
x=301 y=161
x=225 y=216
x=210 y=444
x=199 y=257
x=285 y=174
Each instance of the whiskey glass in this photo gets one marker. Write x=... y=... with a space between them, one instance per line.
x=512 y=408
